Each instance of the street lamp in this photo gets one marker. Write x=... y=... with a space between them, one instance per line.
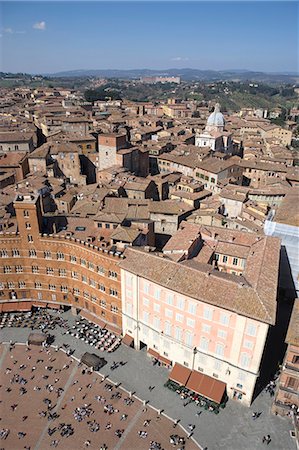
x=194 y=353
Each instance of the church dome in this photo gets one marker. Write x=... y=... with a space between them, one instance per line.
x=216 y=119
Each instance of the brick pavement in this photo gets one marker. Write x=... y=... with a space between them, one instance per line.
x=232 y=429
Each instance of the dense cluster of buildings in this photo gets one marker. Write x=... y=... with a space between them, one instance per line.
x=175 y=226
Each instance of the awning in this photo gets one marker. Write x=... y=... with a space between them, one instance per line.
x=206 y=386
x=53 y=305
x=164 y=360
x=128 y=340
x=153 y=353
x=180 y=374
x=92 y=360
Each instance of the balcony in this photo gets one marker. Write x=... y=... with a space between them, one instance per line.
x=292 y=367
x=288 y=389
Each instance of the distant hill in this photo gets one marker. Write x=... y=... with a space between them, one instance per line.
x=185 y=74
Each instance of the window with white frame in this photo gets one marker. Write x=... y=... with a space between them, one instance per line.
x=92 y=282
x=251 y=329
x=145 y=301
x=248 y=344
x=22 y=284
x=129 y=280
x=206 y=328
x=52 y=287
x=180 y=303
x=91 y=265
x=7 y=269
x=76 y=291
x=75 y=275
x=241 y=376
x=73 y=259
x=29 y=238
x=146 y=287
x=50 y=271
x=83 y=262
x=84 y=278
x=224 y=318
x=156 y=322
x=113 y=292
x=102 y=288
x=189 y=338
x=235 y=261
x=222 y=334
x=208 y=313
x=204 y=343
x=178 y=334
x=102 y=303
x=47 y=255
x=219 y=349
x=114 y=308
x=64 y=289
x=179 y=317
x=4 y=253
x=217 y=365
x=169 y=298
x=192 y=308
x=37 y=285
x=19 y=269
x=62 y=272
x=168 y=313
x=244 y=360
x=93 y=298
x=224 y=258
x=60 y=256
x=35 y=269
x=129 y=309
x=156 y=307
x=145 y=317
x=167 y=329
x=86 y=294
x=15 y=252
x=11 y=285
x=157 y=293
x=190 y=322
x=32 y=253
x=101 y=270
x=112 y=274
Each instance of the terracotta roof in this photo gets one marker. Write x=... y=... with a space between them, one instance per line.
x=180 y=374
x=255 y=298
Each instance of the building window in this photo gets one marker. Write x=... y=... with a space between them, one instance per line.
x=64 y=289
x=7 y=269
x=204 y=343
x=112 y=274
x=169 y=298
x=146 y=287
x=15 y=252
x=113 y=292
x=157 y=293
x=75 y=275
x=22 y=284
x=156 y=323
x=114 y=308
x=190 y=322
x=222 y=334
x=91 y=265
x=235 y=261
x=216 y=256
x=84 y=278
x=251 y=329
x=145 y=301
x=29 y=238
x=219 y=349
x=224 y=258
x=83 y=262
x=28 y=226
x=180 y=303
x=32 y=253
x=47 y=255
x=49 y=271
x=192 y=308
x=92 y=283
x=52 y=287
x=206 y=328
x=189 y=338
x=11 y=285
x=244 y=360
x=93 y=298
x=168 y=313
x=167 y=330
x=35 y=269
x=207 y=313
x=85 y=294
x=102 y=288
x=4 y=253
x=103 y=303
x=62 y=272
x=186 y=364
x=100 y=270
x=76 y=291
x=248 y=344
x=224 y=319
x=37 y=285
x=178 y=333
x=179 y=317
x=99 y=225
x=145 y=317
x=25 y=213
x=156 y=307
x=60 y=256
x=73 y=259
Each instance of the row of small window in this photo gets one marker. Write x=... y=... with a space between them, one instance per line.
x=205 y=177
x=224 y=259
x=107 y=225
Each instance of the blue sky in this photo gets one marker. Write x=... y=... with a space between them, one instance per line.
x=41 y=37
